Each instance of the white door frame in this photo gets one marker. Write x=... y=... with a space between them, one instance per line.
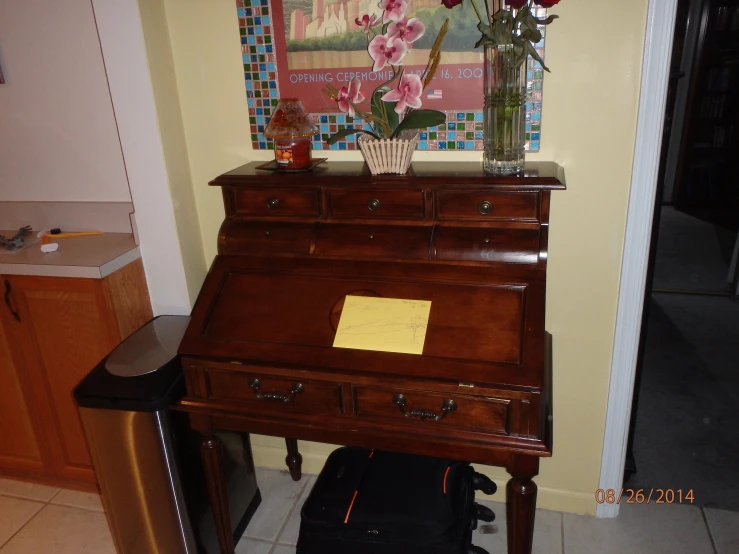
x=132 y=96
x=652 y=103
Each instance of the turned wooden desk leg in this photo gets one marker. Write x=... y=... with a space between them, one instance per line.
x=521 y=504
x=293 y=459
x=211 y=450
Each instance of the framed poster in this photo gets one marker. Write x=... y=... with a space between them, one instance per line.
x=293 y=48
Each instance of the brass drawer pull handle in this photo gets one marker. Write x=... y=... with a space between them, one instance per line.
x=485 y=207
x=373 y=204
x=272 y=202
x=447 y=406
x=296 y=389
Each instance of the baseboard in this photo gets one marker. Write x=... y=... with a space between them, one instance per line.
x=548 y=498
x=560 y=500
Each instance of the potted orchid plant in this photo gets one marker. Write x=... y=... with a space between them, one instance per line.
x=393 y=108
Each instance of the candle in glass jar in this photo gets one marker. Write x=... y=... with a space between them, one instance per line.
x=292 y=130
x=293 y=153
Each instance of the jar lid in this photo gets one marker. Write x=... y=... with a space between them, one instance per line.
x=290 y=120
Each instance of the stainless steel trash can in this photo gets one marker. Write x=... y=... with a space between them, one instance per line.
x=145 y=456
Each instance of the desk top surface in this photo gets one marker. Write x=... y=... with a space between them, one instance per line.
x=537 y=175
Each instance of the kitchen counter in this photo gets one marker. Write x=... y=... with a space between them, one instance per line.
x=92 y=257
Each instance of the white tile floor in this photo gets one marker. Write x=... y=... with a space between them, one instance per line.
x=42 y=520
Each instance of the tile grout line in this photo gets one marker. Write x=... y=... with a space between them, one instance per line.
x=11 y=537
x=252 y=539
x=50 y=501
x=289 y=515
x=16 y=497
x=708 y=528
x=562 y=529
x=53 y=496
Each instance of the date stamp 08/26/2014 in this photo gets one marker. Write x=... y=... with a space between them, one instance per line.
x=645 y=496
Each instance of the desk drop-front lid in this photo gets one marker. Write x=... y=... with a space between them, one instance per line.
x=483 y=327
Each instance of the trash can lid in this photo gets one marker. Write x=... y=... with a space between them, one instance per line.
x=143 y=374
x=149 y=348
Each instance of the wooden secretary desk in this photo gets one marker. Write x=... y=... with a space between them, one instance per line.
x=258 y=354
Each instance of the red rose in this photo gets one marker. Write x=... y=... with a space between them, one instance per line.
x=546 y=3
x=451 y=3
x=517 y=4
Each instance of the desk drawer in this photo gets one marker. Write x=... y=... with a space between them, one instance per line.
x=264 y=392
x=486 y=205
x=277 y=202
x=481 y=244
x=268 y=237
x=474 y=413
x=377 y=204
x=373 y=241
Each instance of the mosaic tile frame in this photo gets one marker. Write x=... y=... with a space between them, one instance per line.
x=462 y=130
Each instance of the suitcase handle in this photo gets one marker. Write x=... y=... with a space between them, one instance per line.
x=296 y=389
x=483 y=483
x=447 y=406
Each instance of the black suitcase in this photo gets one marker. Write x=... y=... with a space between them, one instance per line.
x=372 y=502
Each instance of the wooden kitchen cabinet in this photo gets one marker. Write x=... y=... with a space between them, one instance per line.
x=19 y=448
x=56 y=330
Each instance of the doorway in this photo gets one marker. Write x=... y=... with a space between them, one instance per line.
x=684 y=431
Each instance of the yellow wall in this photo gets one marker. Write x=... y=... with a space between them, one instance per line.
x=169 y=116
x=589 y=123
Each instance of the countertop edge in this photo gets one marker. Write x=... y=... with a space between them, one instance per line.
x=121 y=261
x=76 y=271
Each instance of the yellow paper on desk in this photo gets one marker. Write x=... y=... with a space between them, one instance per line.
x=383 y=324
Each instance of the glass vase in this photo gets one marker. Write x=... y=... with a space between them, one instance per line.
x=504 y=111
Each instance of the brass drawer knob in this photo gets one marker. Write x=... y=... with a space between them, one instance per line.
x=373 y=205
x=296 y=389
x=447 y=406
x=485 y=207
x=273 y=202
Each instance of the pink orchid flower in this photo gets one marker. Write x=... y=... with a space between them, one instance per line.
x=386 y=50
x=409 y=30
x=408 y=93
x=347 y=97
x=367 y=22
x=393 y=10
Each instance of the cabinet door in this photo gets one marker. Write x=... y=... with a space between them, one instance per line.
x=67 y=328
x=20 y=451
